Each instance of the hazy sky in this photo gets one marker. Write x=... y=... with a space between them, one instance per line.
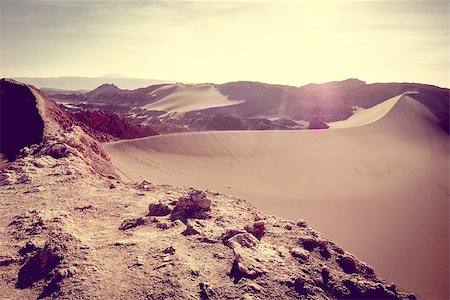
x=216 y=41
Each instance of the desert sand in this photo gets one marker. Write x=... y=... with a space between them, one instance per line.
x=379 y=189
x=190 y=98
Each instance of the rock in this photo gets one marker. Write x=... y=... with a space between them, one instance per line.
x=205 y=291
x=299 y=285
x=325 y=272
x=300 y=253
x=169 y=250
x=61 y=150
x=158 y=209
x=196 y=206
x=144 y=185
x=310 y=243
x=190 y=229
x=251 y=258
x=302 y=223
x=219 y=255
x=131 y=223
x=348 y=264
x=139 y=261
x=257 y=229
x=288 y=227
x=29 y=247
x=38 y=266
x=84 y=207
x=36 y=189
x=228 y=234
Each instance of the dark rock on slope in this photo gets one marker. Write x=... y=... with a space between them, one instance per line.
x=32 y=123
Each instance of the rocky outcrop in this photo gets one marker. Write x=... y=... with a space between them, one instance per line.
x=109 y=127
x=33 y=125
x=20 y=122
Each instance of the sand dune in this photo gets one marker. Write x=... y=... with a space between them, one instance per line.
x=379 y=189
x=366 y=116
x=187 y=98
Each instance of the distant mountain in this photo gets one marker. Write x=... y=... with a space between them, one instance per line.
x=253 y=105
x=73 y=83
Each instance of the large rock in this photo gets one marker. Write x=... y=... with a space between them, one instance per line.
x=251 y=257
x=158 y=209
x=196 y=205
x=38 y=266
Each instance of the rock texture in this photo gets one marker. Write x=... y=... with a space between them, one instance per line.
x=111 y=126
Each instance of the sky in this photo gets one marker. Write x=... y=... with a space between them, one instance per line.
x=296 y=42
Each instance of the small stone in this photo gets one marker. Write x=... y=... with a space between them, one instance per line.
x=219 y=256
x=131 y=223
x=302 y=223
x=83 y=208
x=139 y=261
x=29 y=247
x=169 y=250
x=144 y=185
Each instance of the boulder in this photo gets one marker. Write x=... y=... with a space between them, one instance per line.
x=196 y=205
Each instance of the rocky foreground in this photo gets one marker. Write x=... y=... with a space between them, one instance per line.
x=71 y=229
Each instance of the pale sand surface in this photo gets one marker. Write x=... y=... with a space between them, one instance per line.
x=190 y=98
x=380 y=190
x=366 y=116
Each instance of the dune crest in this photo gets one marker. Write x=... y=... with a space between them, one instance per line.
x=186 y=98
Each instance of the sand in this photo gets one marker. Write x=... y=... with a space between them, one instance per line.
x=379 y=189
x=188 y=98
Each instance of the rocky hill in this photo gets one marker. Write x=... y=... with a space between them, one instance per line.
x=72 y=230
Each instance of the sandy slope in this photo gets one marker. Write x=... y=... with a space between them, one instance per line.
x=380 y=190
x=365 y=116
x=187 y=98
